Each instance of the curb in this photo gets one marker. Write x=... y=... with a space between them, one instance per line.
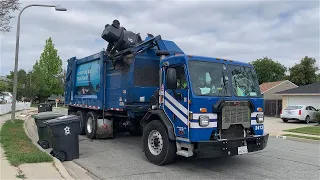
x=60 y=168
x=297 y=139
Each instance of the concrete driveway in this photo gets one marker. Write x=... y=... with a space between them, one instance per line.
x=275 y=126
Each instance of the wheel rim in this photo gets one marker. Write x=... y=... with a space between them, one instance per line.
x=307 y=119
x=89 y=125
x=155 y=142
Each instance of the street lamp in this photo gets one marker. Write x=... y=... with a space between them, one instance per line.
x=15 y=79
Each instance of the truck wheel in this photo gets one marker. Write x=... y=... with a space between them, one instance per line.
x=91 y=125
x=82 y=116
x=157 y=146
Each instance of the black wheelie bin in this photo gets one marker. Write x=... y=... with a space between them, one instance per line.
x=44 y=107
x=64 y=132
x=44 y=139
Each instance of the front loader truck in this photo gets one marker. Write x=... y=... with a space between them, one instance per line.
x=182 y=105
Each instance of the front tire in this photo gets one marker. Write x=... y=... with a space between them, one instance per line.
x=285 y=120
x=158 y=148
x=91 y=125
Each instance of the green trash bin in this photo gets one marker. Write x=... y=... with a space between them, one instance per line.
x=44 y=137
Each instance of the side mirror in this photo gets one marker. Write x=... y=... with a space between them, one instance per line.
x=171 y=78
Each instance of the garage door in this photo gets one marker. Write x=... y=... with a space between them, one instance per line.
x=304 y=100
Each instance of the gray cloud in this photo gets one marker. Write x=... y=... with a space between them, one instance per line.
x=284 y=30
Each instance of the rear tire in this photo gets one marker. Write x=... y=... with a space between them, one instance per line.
x=285 y=120
x=91 y=125
x=157 y=146
x=307 y=120
x=83 y=121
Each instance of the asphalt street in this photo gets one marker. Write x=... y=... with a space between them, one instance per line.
x=123 y=158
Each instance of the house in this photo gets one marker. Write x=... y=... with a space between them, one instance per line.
x=303 y=95
x=272 y=102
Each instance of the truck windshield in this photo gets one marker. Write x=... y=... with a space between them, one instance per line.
x=208 y=78
x=244 y=81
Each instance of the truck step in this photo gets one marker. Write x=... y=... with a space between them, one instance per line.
x=185 y=153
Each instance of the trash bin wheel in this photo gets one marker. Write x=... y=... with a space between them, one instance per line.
x=91 y=125
x=61 y=156
x=44 y=144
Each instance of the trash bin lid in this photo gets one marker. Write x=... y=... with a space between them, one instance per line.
x=67 y=119
x=46 y=115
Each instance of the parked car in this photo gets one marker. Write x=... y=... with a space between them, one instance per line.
x=6 y=97
x=299 y=113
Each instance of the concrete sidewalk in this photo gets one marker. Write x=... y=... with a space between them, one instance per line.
x=29 y=170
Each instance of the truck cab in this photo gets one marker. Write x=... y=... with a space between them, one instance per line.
x=214 y=108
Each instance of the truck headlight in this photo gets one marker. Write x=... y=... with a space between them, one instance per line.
x=204 y=120
x=260 y=118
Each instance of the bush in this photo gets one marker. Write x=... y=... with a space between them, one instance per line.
x=318 y=117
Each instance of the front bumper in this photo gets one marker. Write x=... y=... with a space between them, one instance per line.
x=213 y=149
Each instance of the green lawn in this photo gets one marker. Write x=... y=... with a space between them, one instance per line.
x=304 y=137
x=313 y=130
x=18 y=146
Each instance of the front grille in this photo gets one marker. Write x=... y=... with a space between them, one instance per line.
x=234 y=112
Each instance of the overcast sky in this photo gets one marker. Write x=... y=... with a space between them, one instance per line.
x=284 y=30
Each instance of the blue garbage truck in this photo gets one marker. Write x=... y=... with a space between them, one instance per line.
x=181 y=104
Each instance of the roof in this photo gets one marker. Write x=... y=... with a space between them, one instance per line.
x=268 y=85
x=307 y=89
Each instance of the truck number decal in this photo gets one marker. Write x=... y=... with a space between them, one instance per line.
x=259 y=127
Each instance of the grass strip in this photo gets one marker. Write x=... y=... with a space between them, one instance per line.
x=313 y=130
x=18 y=147
x=300 y=136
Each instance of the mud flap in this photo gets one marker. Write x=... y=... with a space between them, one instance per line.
x=104 y=128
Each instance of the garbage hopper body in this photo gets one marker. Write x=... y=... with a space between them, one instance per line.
x=64 y=133
x=44 y=138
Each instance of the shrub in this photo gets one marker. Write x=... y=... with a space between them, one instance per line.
x=318 y=117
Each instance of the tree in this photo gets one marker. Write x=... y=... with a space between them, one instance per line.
x=305 y=72
x=269 y=70
x=3 y=86
x=7 y=7
x=318 y=77
x=47 y=72
x=22 y=83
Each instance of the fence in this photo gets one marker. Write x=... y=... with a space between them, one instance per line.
x=6 y=108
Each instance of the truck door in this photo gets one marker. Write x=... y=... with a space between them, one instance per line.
x=176 y=103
